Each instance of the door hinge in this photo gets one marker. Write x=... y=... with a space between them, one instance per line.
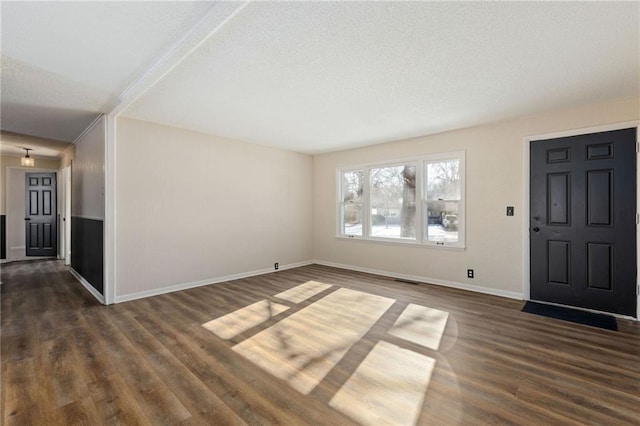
x=637 y=147
x=637 y=219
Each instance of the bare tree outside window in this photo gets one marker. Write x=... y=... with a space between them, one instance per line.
x=408 y=216
x=443 y=180
x=386 y=201
x=393 y=201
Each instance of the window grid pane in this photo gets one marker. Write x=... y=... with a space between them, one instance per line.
x=441 y=218
x=442 y=195
x=351 y=205
x=393 y=202
x=352 y=219
x=443 y=180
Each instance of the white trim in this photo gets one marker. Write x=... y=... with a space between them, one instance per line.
x=87 y=285
x=93 y=124
x=62 y=224
x=217 y=280
x=64 y=212
x=67 y=213
x=208 y=25
x=526 y=268
x=27 y=259
x=526 y=219
x=398 y=242
x=89 y=217
x=109 y=230
x=584 y=131
x=426 y=280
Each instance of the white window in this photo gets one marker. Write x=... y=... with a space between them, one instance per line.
x=443 y=201
x=416 y=202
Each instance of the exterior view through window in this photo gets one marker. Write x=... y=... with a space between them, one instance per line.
x=442 y=200
x=393 y=201
x=351 y=205
x=415 y=202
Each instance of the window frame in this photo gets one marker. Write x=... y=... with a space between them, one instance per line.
x=421 y=200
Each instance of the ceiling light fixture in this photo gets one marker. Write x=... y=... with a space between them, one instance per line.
x=27 y=161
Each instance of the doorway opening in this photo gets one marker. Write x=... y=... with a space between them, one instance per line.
x=41 y=223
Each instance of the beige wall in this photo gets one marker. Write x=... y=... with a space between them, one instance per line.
x=494 y=180
x=87 y=173
x=11 y=161
x=193 y=208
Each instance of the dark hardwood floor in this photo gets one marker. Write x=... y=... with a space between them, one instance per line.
x=66 y=359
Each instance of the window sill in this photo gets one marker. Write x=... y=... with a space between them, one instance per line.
x=399 y=242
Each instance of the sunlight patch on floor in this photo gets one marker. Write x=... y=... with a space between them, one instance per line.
x=303 y=292
x=388 y=387
x=302 y=348
x=421 y=325
x=230 y=325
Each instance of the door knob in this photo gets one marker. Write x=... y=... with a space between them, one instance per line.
x=27 y=218
x=536 y=229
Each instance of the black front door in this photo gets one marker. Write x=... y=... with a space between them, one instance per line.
x=40 y=214
x=583 y=221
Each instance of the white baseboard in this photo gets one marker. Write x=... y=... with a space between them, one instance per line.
x=193 y=284
x=426 y=280
x=87 y=285
x=226 y=278
x=19 y=254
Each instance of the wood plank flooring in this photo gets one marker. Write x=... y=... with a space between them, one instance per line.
x=68 y=360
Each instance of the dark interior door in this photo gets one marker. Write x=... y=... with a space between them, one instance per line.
x=583 y=221
x=40 y=215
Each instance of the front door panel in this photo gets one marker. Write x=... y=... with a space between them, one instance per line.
x=583 y=221
x=40 y=215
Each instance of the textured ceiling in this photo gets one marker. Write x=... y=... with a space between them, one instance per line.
x=64 y=63
x=311 y=76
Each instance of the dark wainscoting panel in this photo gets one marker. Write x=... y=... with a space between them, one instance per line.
x=3 y=236
x=87 y=248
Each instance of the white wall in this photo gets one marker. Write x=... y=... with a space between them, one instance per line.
x=88 y=174
x=494 y=180
x=192 y=208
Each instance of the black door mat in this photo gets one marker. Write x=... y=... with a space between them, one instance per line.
x=607 y=322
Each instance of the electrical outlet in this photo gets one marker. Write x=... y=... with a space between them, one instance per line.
x=469 y=273
x=275 y=266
